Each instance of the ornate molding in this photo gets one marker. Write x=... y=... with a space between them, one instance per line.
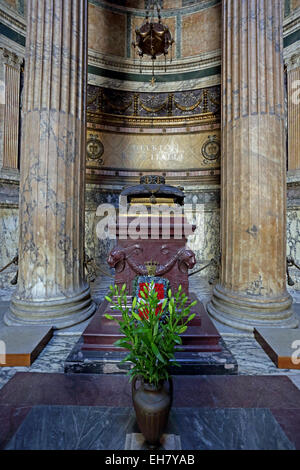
x=144 y=122
x=10 y=58
x=119 y=108
x=291 y=23
x=202 y=61
x=13 y=19
x=292 y=60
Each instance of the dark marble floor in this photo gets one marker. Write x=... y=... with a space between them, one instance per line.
x=257 y=409
x=105 y=428
x=76 y=411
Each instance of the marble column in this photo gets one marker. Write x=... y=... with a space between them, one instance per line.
x=10 y=107
x=252 y=289
x=293 y=83
x=52 y=289
x=292 y=61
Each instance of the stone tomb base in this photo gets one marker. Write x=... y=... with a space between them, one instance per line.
x=282 y=345
x=204 y=351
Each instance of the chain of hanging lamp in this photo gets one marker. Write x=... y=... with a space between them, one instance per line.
x=153 y=38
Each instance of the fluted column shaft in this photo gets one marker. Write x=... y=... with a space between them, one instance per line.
x=252 y=290
x=293 y=79
x=51 y=286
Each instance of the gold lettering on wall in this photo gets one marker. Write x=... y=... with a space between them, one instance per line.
x=155 y=152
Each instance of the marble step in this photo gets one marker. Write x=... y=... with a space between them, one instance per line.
x=21 y=345
x=282 y=345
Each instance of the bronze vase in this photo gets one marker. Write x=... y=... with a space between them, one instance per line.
x=152 y=406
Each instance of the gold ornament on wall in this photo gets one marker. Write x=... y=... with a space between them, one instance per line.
x=211 y=149
x=94 y=149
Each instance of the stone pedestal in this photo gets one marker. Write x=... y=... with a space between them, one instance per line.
x=174 y=259
x=52 y=289
x=252 y=290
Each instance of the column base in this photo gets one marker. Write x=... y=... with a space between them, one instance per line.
x=58 y=313
x=247 y=313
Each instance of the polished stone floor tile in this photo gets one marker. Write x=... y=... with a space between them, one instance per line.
x=251 y=358
x=10 y=419
x=295 y=379
x=98 y=428
x=73 y=428
x=29 y=389
x=51 y=359
x=228 y=429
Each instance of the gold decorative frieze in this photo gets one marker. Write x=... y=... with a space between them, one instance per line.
x=144 y=122
x=156 y=110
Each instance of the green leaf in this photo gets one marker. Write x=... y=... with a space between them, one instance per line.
x=178 y=340
x=108 y=299
x=182 y=329
x=109 y=317
x=123 y=344
x=191 y=317
x=157 y=353
x=136 y=316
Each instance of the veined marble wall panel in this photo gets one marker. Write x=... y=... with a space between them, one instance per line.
x=196 y=29
x=295 y=4
x=205 y=242
x=9 y=237
x=107 y=31
x=9 y=233
x=293 y=228
x=95 y=196
x=293 y=243
x=18 y=5
x=201 y=32
x=155 y=152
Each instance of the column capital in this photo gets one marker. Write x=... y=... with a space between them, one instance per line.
x=292 y=59
x=10 y=58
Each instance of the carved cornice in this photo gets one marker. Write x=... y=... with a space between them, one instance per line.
x=157 y=122
x=13 y=19
x=292 y=59
x=291 y=23
x=202 y=61
x=121 y=177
